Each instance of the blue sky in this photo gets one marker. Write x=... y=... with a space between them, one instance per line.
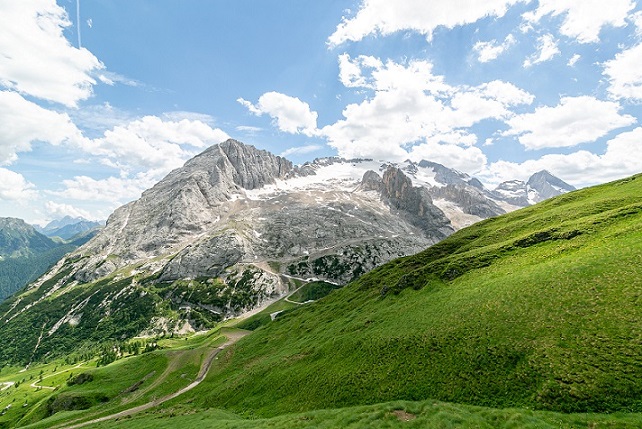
x=100 y=99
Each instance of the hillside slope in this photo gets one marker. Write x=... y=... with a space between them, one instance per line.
x=25 y=254
x=538 y=308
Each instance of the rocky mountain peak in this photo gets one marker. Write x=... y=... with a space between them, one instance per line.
x=539 y=187
x=253 y=168
x=547 y=186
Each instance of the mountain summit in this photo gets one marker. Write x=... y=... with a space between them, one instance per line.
x=539 y=187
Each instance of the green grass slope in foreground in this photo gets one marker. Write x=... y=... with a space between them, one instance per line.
x=541 y=308
x=397 y=414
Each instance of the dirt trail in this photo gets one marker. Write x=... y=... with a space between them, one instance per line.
x=207 y=363
x=35 y=384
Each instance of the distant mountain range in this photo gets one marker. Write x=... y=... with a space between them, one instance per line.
x=236 y=227
x=68 y=227
x=26 y=253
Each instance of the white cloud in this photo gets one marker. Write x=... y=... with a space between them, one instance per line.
x=411 y=106
x=584 y=19
x=350 y=70
x=114 y=191
x=575 y=120
x=153 y=144
x=179 y=115
x=301 y=150
x=460 y=158
x=546 y=50
x=58 y=210
x=489 y=51
x=99 y=117
x=624 y=73
x=14 y=187
x=248 y=129
x=573 y=60
x=386 y=17
x=582 y=168
x=290 y=114
x=22 y=122
x=35 y=57
x=111 y=78
x=636 y=19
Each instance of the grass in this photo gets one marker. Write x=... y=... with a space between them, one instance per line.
x=313 y=291
x=263 y=317
x=536 y=309
x=397 y=414
x=120 y=385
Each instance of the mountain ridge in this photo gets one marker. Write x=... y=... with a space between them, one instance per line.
x=235 y=228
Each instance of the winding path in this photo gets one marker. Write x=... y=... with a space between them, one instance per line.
x=207 y=363
x=35 y=384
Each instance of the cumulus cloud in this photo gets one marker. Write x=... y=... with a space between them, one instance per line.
x=113 y=190
x=35 y=57
x=410 y=106
x=584 y=19
x=153 y=144
x=625 y=74
x=387 y=17
x=582 y=168
x=14 y=187
x=575 y=120
x=22 y=122
x=489 y=51
x=546 y=50
x=290 y=114
x=58 y=210
x=451 y=155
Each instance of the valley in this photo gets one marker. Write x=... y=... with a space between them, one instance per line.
x=529 y=319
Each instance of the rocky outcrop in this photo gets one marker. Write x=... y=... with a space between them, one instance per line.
x=470 y=199
x=414 y=203
x=208 y=258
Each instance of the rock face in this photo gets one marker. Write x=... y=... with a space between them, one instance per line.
x=236 y=227
x=413 y=203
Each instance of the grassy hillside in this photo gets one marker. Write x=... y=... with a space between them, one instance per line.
x=397 y=414
x=65 y=390
x=540 y=308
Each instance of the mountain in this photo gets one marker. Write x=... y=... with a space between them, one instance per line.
x=68 y=227
x=233 y=229
x=529 y=319
x=535 y=309
x=25 y=254
x=539 y=187
x=17 y=238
